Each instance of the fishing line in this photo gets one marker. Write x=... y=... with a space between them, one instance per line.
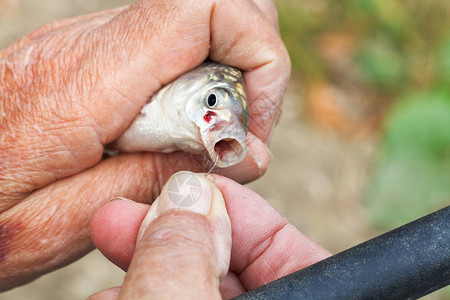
x=215 y=163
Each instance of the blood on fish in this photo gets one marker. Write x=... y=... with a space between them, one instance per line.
x=7 y=233
x=208 y=116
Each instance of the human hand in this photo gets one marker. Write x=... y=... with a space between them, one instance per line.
x=184 y=255
x=72 y=86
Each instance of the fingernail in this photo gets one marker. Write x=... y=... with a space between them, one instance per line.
x=187 y=191
x=120 y=198
x=184 y=190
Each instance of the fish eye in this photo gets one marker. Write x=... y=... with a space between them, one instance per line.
x=212 y=100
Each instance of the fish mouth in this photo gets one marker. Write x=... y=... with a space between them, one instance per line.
x=225 y=142
x=226 y=151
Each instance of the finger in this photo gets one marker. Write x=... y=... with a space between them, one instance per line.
x=114 y=229
x=115 y=241
x=265 y=246
x=231 y=286
x=269 y=10
x=24 y=156
x=109 y=294
x=185 y=246
x=50 y=228
x=95 y=19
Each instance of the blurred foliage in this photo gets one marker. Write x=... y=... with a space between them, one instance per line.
x=398 y=51
x=412 y=174
x=394 y=43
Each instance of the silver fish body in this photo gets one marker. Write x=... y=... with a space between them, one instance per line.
x=204 y=109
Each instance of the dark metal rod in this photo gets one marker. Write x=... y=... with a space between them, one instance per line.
x=406 y=263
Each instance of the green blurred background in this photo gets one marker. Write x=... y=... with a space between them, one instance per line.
x=363 y=145
x=385 y=68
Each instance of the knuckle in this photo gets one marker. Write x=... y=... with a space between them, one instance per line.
x=180 y=229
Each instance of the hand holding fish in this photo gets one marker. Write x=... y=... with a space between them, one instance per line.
x=73 y=86
x=183 y=251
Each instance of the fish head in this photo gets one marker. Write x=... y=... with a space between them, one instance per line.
x=220 y=111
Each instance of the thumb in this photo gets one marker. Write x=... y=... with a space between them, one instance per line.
x=184 y=243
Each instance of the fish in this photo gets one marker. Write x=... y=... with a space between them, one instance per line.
x=203 y=110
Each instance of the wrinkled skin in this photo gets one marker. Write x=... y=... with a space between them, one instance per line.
x=75 y=85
